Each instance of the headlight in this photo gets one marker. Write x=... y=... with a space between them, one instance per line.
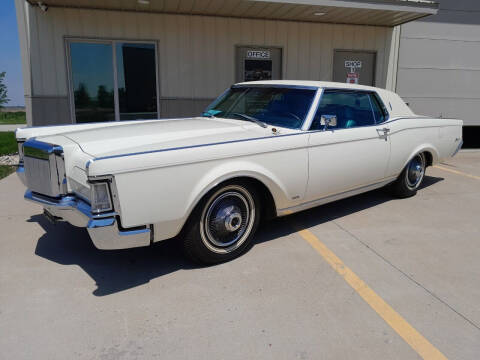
x=100 y=197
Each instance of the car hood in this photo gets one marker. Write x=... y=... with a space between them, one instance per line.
x=162 y=134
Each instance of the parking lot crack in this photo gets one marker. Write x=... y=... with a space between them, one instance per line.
x=406 y=275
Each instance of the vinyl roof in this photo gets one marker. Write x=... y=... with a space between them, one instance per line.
x=363 y=12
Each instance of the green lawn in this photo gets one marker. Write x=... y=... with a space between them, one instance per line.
x=6 y=170
x=8 y=143
x=14 y=117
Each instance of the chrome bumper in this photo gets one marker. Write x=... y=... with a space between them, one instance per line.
x=103 y=229
x=21 y=173
x=458 y=148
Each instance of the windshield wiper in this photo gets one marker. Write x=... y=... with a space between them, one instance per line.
x=251 y=118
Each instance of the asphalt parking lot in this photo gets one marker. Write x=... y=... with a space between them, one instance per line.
x=370 y=277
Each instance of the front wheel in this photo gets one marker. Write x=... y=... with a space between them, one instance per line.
x=411 y=177
x=223 y=224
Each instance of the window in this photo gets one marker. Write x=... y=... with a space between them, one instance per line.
x=352 y=109
x=113 y=80
x=379 y=109
x=92 y=78
x=279 y=106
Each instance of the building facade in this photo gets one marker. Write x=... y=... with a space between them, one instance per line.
x=439 y=65
x=89 y=60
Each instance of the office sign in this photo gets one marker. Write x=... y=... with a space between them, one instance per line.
x=258 y=54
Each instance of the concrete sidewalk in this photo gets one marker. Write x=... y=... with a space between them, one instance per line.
x=11 y=127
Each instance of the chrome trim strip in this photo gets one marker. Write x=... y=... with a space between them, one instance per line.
x=313 y=110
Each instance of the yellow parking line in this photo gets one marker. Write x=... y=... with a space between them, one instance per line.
x=457 y=172
x=418 y=343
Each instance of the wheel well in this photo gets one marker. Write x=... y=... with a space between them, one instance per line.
x=428 y=158
x=269 y=210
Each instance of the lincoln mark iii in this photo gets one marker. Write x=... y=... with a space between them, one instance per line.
x=262 y=149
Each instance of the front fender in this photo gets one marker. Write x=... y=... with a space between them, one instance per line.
x=279 y=190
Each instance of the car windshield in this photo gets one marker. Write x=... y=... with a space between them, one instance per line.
x=285 y=107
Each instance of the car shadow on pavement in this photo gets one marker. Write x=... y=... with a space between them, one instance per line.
x=118 y=270
x=112 y=270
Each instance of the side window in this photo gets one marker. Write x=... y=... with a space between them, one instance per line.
x=378 y=108
x=352 y=109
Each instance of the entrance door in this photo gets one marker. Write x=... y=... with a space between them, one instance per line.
x=256 y=63
x=354 y=67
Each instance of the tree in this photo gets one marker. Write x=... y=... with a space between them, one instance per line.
x=3 y=90
x=104 y=97
x=82 y=98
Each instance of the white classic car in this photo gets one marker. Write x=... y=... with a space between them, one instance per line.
x=262 y=149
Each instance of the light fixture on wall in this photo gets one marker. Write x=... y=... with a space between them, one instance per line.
x=319 y=13
x=42 y=6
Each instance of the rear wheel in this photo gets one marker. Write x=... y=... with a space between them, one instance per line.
x=222 y=225
x=411 y=177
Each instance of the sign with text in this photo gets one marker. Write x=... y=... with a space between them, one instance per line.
x=352 y=78
x=258 y=54
x=353 y=64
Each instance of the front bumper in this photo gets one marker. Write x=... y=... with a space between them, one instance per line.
x=21 y=173
x=103 y=229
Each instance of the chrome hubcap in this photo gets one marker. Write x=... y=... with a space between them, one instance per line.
x=233 y=220
x=416 y=171
x=227 y=219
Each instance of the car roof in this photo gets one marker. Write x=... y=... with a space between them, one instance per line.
x=394 y=104
x=320 y=84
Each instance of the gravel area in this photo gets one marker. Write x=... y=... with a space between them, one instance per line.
x=9 y=159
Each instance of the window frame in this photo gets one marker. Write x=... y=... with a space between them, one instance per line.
x=371 y=92
x=113 y=42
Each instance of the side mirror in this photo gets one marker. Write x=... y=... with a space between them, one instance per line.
x=328 y=120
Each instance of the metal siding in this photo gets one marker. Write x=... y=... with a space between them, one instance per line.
x=196 y=53
x=22 y=9
x=438 y=68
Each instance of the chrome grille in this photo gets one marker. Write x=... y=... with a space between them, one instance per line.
x=44 y=168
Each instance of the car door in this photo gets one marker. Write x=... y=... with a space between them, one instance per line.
x=352 y=154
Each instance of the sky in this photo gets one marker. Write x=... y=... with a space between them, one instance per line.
x=10 y=60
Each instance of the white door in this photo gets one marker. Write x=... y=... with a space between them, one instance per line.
x=352 y=154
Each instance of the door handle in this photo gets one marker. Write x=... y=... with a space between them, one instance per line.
x=385 y=132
